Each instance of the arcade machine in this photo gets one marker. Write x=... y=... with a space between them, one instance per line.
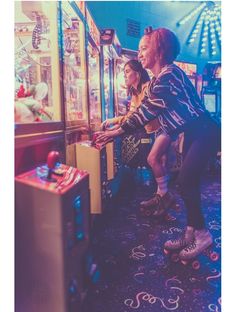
x=211 y=91
x=110 y=52
x=38 y=119
x=74 y=76
x=51 y=237
x=90 y=157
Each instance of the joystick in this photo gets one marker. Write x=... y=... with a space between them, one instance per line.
x=52 y=159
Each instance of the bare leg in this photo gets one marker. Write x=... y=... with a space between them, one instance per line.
x=157 y=158
x=157 y=161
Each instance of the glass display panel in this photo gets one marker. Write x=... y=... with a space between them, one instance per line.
x=75 y=91
x=107 y=77
x=94 y=87
x=120 y=88
x=37 y=86
x=210 y=102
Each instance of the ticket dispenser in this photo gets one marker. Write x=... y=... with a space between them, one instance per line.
x=51 y=238
x=93 y=159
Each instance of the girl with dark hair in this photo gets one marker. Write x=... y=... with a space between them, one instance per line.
x=134 y=83
x=136 y=80
x=172 y=99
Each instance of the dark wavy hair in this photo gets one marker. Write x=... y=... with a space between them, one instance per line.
x=166 y=43
x=144 y=77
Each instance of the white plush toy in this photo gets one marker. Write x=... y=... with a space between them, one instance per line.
x=28 y=105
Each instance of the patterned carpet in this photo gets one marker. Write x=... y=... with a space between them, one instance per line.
x=133 y=273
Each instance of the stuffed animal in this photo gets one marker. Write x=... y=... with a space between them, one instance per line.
x=28 y=107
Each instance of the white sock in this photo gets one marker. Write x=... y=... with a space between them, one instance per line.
x=162 y=185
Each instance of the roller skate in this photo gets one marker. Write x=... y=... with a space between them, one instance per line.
x=147 y=206
x=173 y=247
x=202 y=244
x=158 y=205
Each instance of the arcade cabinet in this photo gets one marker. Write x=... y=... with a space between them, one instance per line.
x=211 y=90
x=110 y=53
x=51 y=237
x=74 y=75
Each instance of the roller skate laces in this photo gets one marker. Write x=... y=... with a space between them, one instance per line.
x=165 y=203
x=158 y=205
x=153 y=201
x=184 y=240
x=202 y=241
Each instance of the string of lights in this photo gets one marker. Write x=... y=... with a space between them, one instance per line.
x=207 y=27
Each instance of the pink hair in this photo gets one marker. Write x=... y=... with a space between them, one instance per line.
x=165 y=42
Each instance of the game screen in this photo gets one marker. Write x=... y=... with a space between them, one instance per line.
x=210 y=102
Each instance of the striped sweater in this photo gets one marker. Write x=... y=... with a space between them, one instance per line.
x=171 y=98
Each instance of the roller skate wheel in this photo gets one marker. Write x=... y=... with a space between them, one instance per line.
x=166 y=252
x=175 y=257
x=196 y=265
x=214 y=256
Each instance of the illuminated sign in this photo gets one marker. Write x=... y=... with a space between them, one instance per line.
x=189 y=68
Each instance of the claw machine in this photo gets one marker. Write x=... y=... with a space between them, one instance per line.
x=37 y=100
x=74 y=75
x=110 y=52
x=89 y=156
